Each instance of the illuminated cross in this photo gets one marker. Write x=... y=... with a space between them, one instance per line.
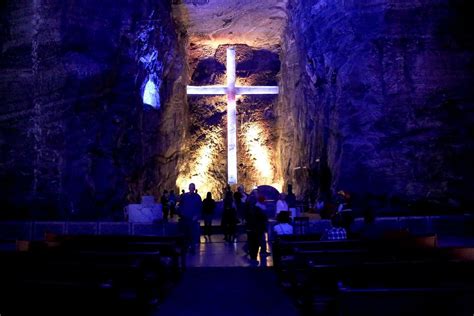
x=231 y=90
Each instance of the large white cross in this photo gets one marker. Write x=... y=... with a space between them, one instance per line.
x=231 y=90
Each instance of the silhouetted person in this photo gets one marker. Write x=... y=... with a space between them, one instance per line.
x=172 y=203
x=347 y=218
x=165 y=205
x=291 y=200
x=229 y=218
x=208 y=207
x=283 y=226
x=290 y=197
x=240 y=197
x=190 y=208
x=370 y=231
x=251 y=222
x=262 y=224
x=180 y=198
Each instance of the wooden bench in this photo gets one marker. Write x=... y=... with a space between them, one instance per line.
x=454 y=300
x=287 y=245
x=90 y=279
x=172 y=248
x=125 y=273
x=322 y=280
x=313 y=271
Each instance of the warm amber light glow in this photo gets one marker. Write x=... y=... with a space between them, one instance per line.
x=215 y=42
x=242 y=82
x=255 y=142
x=199 y=171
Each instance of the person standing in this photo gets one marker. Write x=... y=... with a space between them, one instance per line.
x=190 y=208
x=240 y=198
x=229 y=218
x=291 y=201
x=281 y=205
x=165 y=205
x=172 y=203
x=261 y=225
x=256 y=223
x=251 y=223
x=181 y=197
x=208 y=207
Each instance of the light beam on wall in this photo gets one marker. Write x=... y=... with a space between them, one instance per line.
x=255 y=139
x=231 y=90
x=151 y=95
x=199 y=171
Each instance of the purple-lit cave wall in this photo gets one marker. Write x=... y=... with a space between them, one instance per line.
x=76 y=140
x=377 y=98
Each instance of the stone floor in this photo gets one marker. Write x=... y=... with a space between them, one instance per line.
x=218 y=253
x=227 y=291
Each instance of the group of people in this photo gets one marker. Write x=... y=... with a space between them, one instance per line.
x=239 y=207
x=168 y=202
x=251 y=210
x=328 y=204
x=333 y=208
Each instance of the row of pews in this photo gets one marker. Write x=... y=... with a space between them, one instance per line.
x=397 y=275
x=89 y=275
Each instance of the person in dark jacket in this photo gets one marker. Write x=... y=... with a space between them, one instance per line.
x=190 y=209
x=165 y=205
x=256 y=220
x=172 y=203
x=229 y=218
x=208 y=207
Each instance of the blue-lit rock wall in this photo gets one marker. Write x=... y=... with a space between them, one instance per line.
x=75 y=139
x=377 y=99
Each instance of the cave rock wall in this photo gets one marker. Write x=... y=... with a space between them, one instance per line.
x=380 y=93
x=75 y=139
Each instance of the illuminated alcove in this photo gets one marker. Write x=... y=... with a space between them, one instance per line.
x=151 y=95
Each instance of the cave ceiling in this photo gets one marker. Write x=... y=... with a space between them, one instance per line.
x=210 y=23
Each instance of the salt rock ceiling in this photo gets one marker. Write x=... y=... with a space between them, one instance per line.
x=210 y=23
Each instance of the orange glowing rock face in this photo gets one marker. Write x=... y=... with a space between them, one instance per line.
x=197 y=174
x=231 y=90
x=207 y=159
x=255 y=139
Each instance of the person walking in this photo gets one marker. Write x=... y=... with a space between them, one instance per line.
x=172 y=203
x=190 y=210
x=208 y=207
x=229 y=218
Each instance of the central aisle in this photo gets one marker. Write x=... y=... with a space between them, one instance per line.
x=228 y=291
x=217 y=253
x=220 y=280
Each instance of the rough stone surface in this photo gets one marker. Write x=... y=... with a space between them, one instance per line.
x=377 y=98
x=255 y=27
x=211 y=23
x=75 y=138
x=205 y=154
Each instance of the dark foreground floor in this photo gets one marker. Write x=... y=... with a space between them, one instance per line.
x=227 y=291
